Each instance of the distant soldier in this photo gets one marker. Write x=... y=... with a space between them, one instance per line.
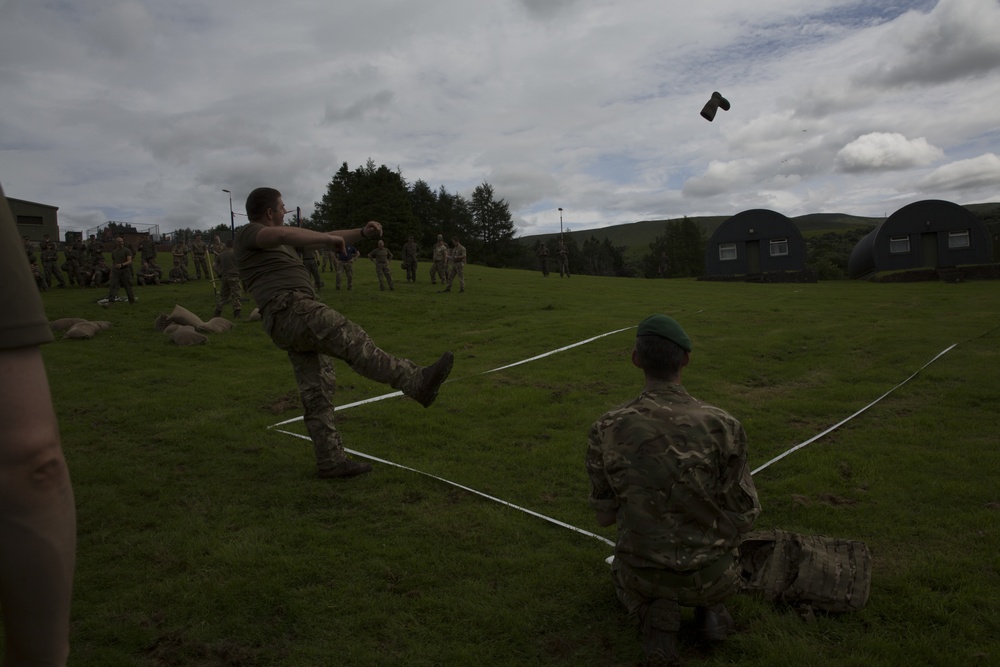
x=543 y=258
x=148 y=250
x=72 y=255
x=147 y=275
x=229 y=275
x=663 y=266
x=95 y=275
x=457 y=259
x=36 y=273
x=439 y=269
x=121 y=271
x=200 y=249
x=94 y=250
x=177 y=274
x=180 y=253
x=345 y=263
x=381 y=256
x=311 y=264
x=329 y=259
x=50 y=262
x=410 y=252
x=563 y=258
x=217 y=247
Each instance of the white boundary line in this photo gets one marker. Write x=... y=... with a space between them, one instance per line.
x=844 y=421
x=494 y=370
x=563 y=349
x=465 y=488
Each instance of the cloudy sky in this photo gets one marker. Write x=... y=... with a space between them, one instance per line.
x=144 y=110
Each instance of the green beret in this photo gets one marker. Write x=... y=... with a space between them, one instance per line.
x=664 y=327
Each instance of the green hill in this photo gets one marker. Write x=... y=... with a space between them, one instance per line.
x=635 y=237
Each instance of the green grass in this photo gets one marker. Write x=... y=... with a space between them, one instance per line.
x=204 y=538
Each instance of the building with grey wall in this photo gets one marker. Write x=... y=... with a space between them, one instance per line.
x=35 y=220
x=931 y=234
x=755 y=242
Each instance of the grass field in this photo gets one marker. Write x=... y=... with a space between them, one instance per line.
x=205 y=539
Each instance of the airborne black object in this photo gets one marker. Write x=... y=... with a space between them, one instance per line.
x=713 y=105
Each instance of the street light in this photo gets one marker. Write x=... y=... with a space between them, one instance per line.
x=560 y=224
x=232 y=216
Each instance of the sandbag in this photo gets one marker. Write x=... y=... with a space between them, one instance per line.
x=186 y=335
x=82 y=330
x=255 y=315
x=820 y=572
x=171 y=328
x=215 y=325
x=182 y=315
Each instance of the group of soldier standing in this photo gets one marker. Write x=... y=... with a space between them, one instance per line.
x=562 y=254
x=447 y=263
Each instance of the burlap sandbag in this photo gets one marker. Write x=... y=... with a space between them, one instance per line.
x=186 y=335
x=255 y=315
x=65 y=323
x=83 y=330
x=171 y=328
x=182 y=315
x=161 y=322
x=215 y=325
x=102 y=325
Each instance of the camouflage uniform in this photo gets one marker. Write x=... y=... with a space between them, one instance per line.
x=345 y=264
x=410 y=251
x=180 y=253
x=72 y=266
x=199 y=248
x=543 y=258
x=121 y=273
x=563 y=259
x=457 y=258
x=674 y=470
x=312 y=334
x=229 y=275
x=50 y=262
x=439 y=269
x=381 y=257
x=312 y=266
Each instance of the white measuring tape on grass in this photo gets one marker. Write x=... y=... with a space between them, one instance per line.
x=562 y=349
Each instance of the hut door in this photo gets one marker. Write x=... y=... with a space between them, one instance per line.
x=929 y=250
x=753 y=257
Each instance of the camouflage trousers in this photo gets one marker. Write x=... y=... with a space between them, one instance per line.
x=229 y=290
x=637 y=589
x=201 y=266
x=384 y=274
x=347 y=268
x=121 y=278
x=52 y=271
x=313 y=334
x=439 y=270
x=458 y=269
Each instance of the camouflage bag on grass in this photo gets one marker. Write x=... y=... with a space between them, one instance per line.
x=807 y=572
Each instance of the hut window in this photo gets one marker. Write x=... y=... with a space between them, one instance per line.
x=958 y=239
x=779 y=247
x=727 y=252
x=899 y=245
x=29 y=220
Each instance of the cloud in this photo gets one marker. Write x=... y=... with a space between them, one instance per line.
x=958 y=39
x=878 y=151
x=974 y=173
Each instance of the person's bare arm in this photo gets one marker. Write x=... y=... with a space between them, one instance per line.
x=37 y=516
x=272 y=237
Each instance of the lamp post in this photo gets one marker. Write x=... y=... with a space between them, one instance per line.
x=560 y=224
x=232 y=216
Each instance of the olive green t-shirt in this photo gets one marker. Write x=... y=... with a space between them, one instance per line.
x=268 y=272
x=22 y=317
